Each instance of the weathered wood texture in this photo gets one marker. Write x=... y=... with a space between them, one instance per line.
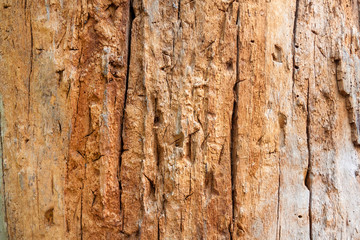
x=179 y=119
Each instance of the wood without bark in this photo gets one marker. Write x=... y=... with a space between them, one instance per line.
x=180 y=119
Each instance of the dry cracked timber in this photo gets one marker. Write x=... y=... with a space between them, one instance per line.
x=179 y=119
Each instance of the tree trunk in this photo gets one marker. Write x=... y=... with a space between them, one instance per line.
x=179 y=119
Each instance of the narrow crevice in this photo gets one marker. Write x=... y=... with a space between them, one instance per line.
x=278 y=227
x=190 y=187
x=282 y=123
x=158 y=151
x=233 y=158
x=230 y=232
x=81 y=212
x=31 y=66
x=189 y=148
x=25 y=7
x=234 y=129
x=129 y=31
x=157 y=123
x=221 y=153
x=179 y=11
x=152 y=185
x=158 y=230
x=181 y=222
x=188 y=196
x=308 y=173
x=3 y=177
x=294 y=45
x=295 y=68
x=308 y=136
